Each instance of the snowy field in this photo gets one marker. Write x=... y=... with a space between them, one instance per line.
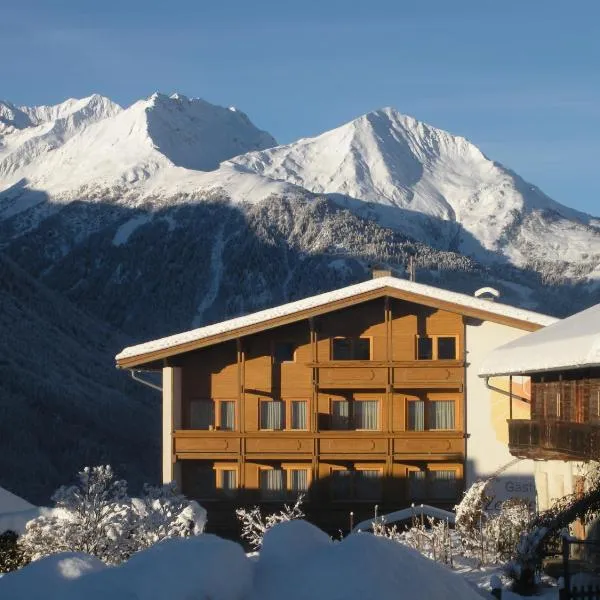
x=297 y=562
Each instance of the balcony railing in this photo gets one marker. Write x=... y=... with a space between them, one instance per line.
x=564 y=440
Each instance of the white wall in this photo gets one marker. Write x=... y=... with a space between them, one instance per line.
x=487 y=448
x=556 y=478
x=171 y=419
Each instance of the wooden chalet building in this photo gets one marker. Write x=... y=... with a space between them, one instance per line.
x=563 y=431
x=360 y=396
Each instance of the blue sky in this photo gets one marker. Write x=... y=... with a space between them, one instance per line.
x=519 y=78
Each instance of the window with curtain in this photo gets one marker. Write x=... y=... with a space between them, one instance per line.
x=227 y=415
x=341 y=484
x=202 y=414
x=442 y=484
x=367 y=484
x=441 y=414
x=340 y=414
x=229 y=482
x=272 y=414
x=416 y=415
x=366 y=414
x=416 y=485
x=272 y=484
x=298 y=414
x=298 y=481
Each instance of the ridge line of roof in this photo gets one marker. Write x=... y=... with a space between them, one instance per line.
x=325 y=298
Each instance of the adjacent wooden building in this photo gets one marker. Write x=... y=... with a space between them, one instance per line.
x=563 y=429
x=354 y=397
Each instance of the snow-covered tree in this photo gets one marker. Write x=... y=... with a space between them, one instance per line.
x=255 y=524
x=96 y=516
x=162 y=512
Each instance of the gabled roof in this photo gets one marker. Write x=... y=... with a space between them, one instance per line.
x=569 y=344
x=143 y=354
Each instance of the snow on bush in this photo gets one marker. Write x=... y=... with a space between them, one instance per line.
x=255 y=524
x=97 y=517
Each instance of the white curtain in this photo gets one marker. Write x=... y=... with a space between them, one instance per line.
x=272 y=483
x=441 y=414
x=340 y=414
x=416 y=415
x=272 y=415
x=416 y=484
x=202 y=414
x=366 y=413
x=299 y=415
x=228 y=415
x=229 y=482
x=298 y=480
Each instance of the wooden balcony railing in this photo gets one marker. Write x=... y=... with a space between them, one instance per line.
x=553 y=439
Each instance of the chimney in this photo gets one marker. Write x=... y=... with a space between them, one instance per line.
x=377 y=272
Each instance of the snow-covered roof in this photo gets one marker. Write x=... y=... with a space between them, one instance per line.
x=417 y=292
x=10 y=503
x=569 y=344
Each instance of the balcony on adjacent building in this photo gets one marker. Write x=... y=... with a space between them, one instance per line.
x=553 y=439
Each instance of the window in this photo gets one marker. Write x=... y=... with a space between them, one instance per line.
x=297 y=481
x=272 y=484
x=280 y=483
x=272 y=414
x=227 y=413
x=298 y=414
x=425 y=348
x=284 y=352
x=442 y=484
x=199 y=479
x=357 y=484
x=351 y=349
x=437 y=485
x=441 y=414
x=446 y=347
x=436 y=347
x=430 y=415
x=227 y=482
x=416 y=485
x=355 y=414
x=212 y=414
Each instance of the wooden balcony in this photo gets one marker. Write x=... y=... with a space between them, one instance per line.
x=553 y=439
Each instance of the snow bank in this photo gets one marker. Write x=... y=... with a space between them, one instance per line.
x=297 y=562
x=50 y=577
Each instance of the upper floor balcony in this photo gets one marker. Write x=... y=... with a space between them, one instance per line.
x=553 y=439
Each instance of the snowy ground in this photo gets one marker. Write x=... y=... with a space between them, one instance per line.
x=297 y=562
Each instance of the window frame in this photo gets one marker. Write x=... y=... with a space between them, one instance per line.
x=219 y=469
x=427 y=402
x=217 y=420
x=435 y=346
x=352 y=413
x=353 y=340
x=428 y=482
x=353 y=470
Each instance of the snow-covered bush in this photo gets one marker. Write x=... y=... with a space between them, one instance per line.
x=97 y=517
x=470 y=515
x=255 y=524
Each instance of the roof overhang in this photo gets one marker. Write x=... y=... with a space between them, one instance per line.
x=153 y=358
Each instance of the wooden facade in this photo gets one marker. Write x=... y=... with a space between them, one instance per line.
x=565 y=417
x=398 y=359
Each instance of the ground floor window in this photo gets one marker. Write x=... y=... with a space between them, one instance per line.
x=283 y=482
x=435 y=484
x=356 y=484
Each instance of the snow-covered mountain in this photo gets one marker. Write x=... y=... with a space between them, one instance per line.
x=173 y=213
x=395 y=161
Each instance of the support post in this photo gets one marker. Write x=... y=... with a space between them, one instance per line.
x=171 y=421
